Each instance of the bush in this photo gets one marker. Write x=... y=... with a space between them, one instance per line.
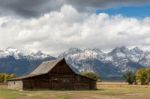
x=143 y=76
x=129 y=76
x=91 y=75
x=4 y=77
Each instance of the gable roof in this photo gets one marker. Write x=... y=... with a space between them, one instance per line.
x=44 y=68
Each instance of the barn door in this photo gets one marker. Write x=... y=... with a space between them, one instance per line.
x=67 y=83
x=62 y=83
x=54 y=83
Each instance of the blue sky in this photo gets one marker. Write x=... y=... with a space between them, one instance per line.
x=130 y=11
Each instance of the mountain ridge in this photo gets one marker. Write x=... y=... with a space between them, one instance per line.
x=110 y=64
x=15 y=61
x=113 y=63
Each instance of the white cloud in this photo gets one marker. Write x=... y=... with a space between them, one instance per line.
x=60 y=30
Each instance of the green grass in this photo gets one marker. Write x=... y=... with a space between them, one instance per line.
x=9 y=94
x=47 y=94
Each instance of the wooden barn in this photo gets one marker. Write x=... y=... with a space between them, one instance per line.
x=54 y=75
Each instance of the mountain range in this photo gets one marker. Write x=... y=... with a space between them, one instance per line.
x=15 y=61
x=109 y=65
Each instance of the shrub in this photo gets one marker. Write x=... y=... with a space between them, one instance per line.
x=129 y=76
x=91 y=75
x=4 y=77
x=143 y=76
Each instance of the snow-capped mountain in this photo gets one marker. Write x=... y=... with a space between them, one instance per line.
x=18 y=54
x=10 y=52
x=15 y=61
x=111 y=64
x=71 y=51
x=108 y=65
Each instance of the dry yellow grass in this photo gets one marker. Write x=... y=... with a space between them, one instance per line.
x=105 y=91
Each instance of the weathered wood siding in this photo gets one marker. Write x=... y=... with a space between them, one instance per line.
x=38 y=82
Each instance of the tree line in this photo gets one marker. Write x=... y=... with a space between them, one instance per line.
x=141 y=76
x=4 y=77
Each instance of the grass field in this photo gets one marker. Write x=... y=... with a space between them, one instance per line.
x=105 y=91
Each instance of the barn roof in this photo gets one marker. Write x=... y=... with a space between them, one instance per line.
x=44 y=68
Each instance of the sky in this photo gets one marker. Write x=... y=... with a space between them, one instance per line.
x=54 y=26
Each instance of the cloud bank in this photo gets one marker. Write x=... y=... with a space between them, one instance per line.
x=59 y=30
x=36 y=8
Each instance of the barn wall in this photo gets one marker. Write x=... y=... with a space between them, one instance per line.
x=17 y=85
x=81 y=82
x=71 y=82
x=61 y=77
x=38 y=82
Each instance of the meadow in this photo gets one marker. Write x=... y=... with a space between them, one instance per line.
x=105 y=91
